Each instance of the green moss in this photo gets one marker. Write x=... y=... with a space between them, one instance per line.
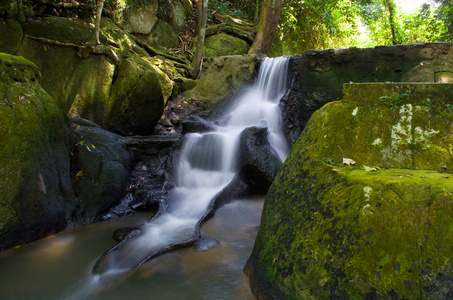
x=223 y=44
x=11 y=36
x=139 y=87
x=335 y=231
x=31 y=125
x=60 y=29
x=223 y=76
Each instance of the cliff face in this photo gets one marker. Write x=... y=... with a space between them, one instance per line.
x=377 y=228
x=318 y=76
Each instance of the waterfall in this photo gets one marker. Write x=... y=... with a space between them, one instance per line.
x=207 y=165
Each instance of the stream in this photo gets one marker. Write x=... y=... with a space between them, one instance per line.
x=56 y=267
x=65 y=267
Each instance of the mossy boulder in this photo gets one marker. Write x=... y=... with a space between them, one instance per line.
x=222 y=79
x=175 y=13
x=127 y=97
x=138 y=97
x=11 y=36
x=36 y=197
x=140 y=16
x=224 y=44
x=162 y=36
x=378 y=229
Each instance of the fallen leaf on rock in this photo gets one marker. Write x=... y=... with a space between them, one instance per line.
x=337 y=170
x=368 y=169
x=348 y=161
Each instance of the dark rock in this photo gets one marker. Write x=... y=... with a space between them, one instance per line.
x=153 y=175
x=123 y=233
x=259 y=163
x=205 y=243
x=101 y=166
x=196 y=124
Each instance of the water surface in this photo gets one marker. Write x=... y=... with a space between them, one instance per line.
x=57 y=267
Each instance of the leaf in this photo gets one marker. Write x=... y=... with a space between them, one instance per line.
x=88 y=148
x=328 y=160
x=348 y=161
x=80 y=173
x=337 y=170
x=93 y=146
x=80 y=143
x=368 y=169
x=44 y=47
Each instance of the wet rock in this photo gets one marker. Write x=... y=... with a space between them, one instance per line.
x=205 y=243
x=259 y=163
x=123 y=233
x=196 y=124
x=153 y=175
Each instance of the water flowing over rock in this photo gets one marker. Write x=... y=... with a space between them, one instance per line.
x=206 y=179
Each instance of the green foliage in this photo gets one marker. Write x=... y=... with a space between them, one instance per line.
x=317 y=24
x=240 y=9
x=395 y=103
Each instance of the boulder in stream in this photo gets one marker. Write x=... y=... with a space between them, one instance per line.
x=258 y=161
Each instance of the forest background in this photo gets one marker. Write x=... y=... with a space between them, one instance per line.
x=323 y=24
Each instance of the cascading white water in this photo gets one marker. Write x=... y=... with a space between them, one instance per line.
x=207 y=164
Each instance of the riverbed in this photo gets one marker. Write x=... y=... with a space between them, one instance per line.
x=58 y=267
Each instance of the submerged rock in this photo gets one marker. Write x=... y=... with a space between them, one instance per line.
x=378 y=229
x=205 y=243
x=123 y=233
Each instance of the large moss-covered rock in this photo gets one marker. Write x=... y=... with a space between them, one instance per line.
x=140 y=16
x=223 y=78
x=127 y=97
x=162 y=36
x=36 y=195
x=138 y=97
x=376 y=229
x=224 y=44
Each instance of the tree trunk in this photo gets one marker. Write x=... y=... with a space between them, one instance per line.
x=97 y=26
x=390 y=6
x=201 y=33
x=267 y=27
